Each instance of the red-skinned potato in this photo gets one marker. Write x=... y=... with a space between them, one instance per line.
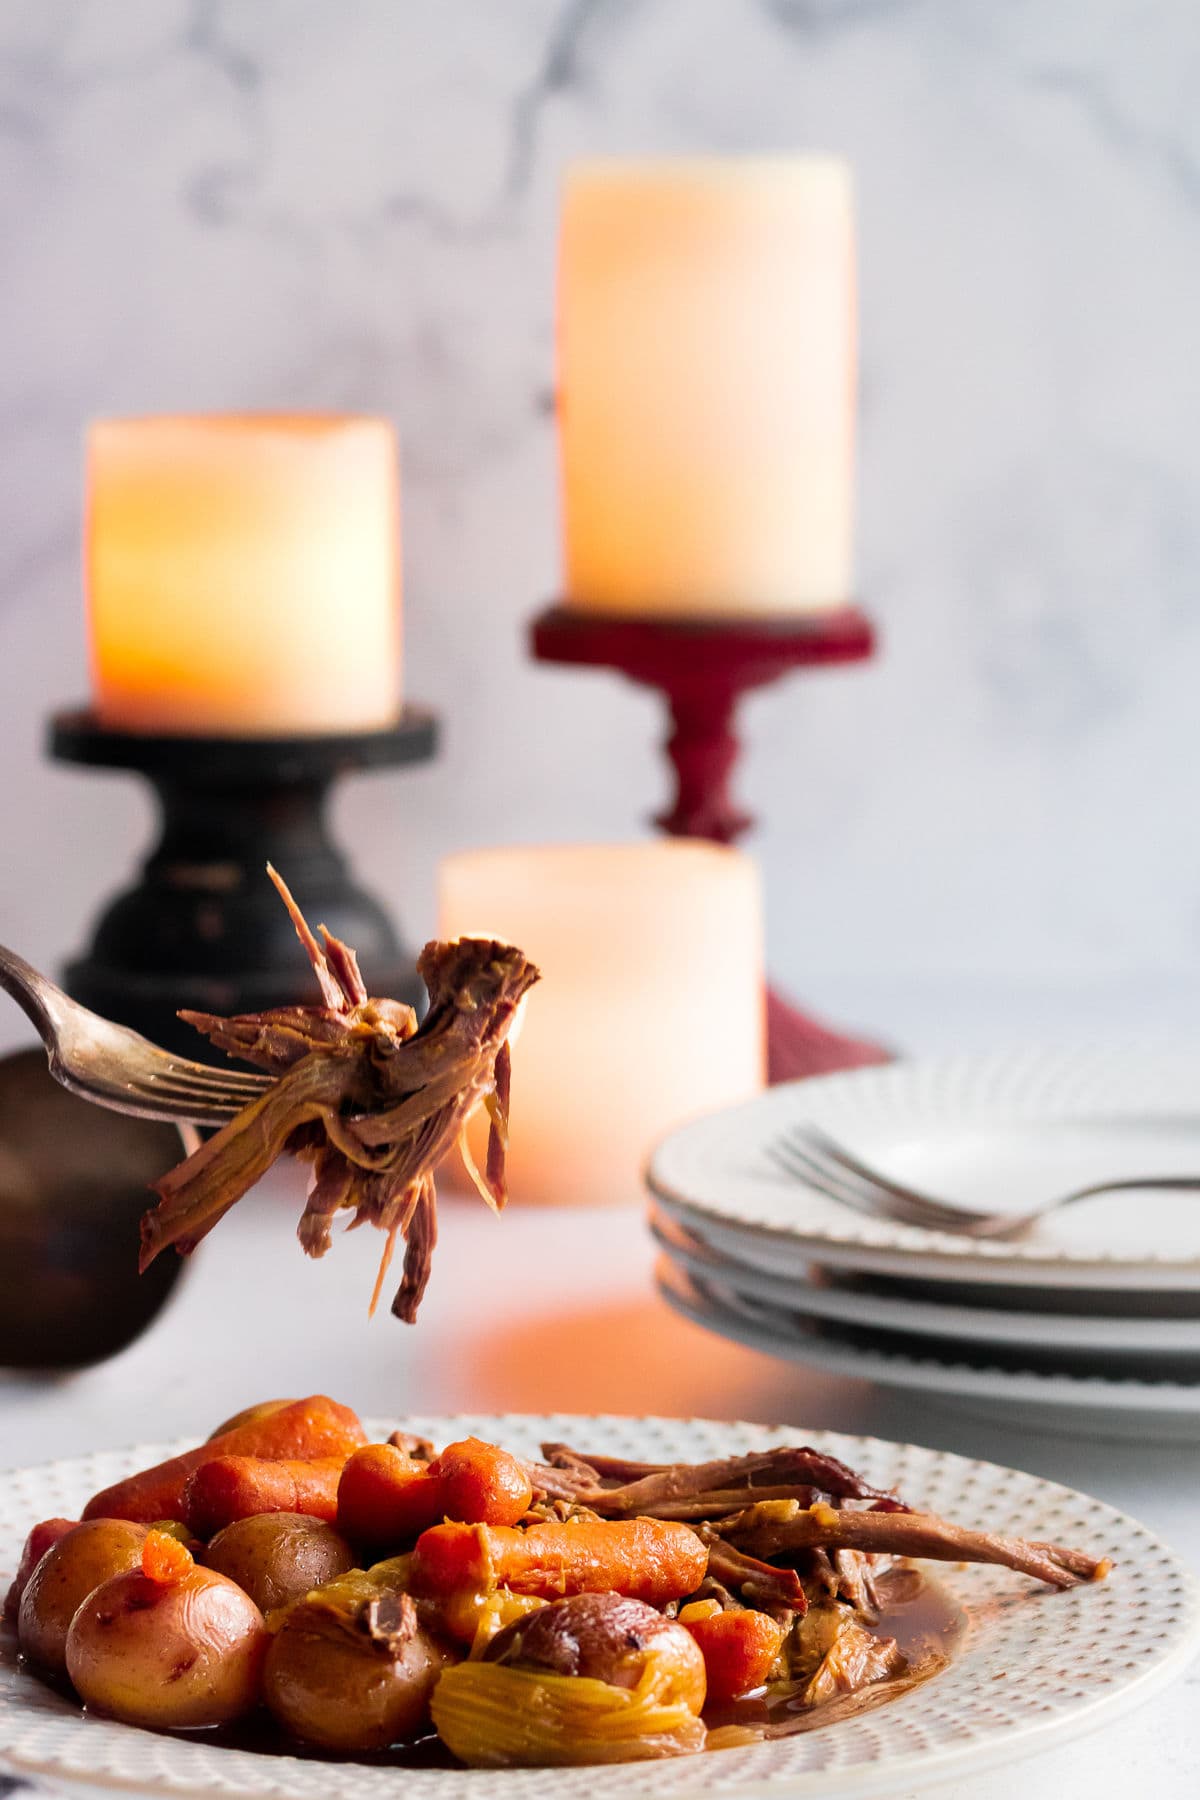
x=352 y=1669
x=606 y=1637
x=278 y=1557
x=63 y=1579
x=40 y=1539
x=595 y=1678
x=169 y=1645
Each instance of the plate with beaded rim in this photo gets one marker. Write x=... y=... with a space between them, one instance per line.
x=1033 y=1667
x=872 y=1304
x=1120 y=1409
x=1002 y=1132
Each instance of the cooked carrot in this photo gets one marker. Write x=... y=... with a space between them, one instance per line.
x=225 y=1488
x=42 y=1538
x=385 y=1497
x=302 y=1431
x=739 y=1649
x=647 y=1559
x=248 y=1416
x=481 y=1484
x=164 y=1558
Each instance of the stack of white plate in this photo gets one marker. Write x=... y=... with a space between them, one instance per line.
x=1091 y=1323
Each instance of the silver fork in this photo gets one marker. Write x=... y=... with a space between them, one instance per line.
x=805 y=1153
x=118 y=1068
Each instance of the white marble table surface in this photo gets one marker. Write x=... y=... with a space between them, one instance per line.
x=554 y=1310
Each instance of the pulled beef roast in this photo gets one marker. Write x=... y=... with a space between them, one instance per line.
x=366 y=1095
x=785 y=1527
x=793 y=1532
x=700 y=1490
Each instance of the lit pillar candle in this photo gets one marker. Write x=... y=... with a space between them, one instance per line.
x=243 y=574
x=650 y=1008
x=706 y=384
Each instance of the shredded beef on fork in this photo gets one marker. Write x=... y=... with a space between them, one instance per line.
x=366 y=1095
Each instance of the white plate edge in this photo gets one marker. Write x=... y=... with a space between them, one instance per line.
x=932 y=1318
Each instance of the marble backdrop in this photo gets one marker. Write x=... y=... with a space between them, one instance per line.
x=351 y=204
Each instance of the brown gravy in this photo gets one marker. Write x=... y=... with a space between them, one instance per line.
x=923 y=1617
x=927 y=1623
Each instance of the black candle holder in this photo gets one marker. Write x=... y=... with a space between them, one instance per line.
x=203 y=927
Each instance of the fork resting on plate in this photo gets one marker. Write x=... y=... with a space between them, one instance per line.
x=806 y=1153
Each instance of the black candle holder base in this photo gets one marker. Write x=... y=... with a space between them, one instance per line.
x=202 y=927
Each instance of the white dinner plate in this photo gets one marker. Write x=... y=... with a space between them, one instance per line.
x=1003 y=1131
x=878 y=1308
x=1092 y=1406
x=1034 y=1666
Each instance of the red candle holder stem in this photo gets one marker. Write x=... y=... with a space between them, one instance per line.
x=703 y=669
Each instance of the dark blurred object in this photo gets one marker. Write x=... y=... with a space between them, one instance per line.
x=73 y=1187
x=203 y=928
x=703 y=667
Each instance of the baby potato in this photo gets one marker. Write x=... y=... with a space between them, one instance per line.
x=354 y=1669
x=40 y=1539
x=278 y=1557
x=169 y=1654
x=607 y=1638
x=63 y=1579
x=594 y=1678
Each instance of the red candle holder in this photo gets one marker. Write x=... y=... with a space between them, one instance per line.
x=704 y=669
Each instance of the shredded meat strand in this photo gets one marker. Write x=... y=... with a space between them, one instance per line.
x=419 y=1449
x=390 y=1619
x=366 y=1095
x=907 y=1534
x=703 y=1490
x=759 y=1583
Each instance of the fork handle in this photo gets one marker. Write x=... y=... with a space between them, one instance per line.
x=1009 y=1227
x=38 y=997
x=1129 y=1184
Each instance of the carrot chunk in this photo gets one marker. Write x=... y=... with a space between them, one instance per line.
x=481 y=1484
x=739 y=1649
x=304 y=1430
x=385 y=1498
x=164 y=1558
x=225 y=1488
x=654 y=1560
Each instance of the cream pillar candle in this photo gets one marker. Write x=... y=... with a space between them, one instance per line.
x=243 y=574
x=650 y=1008
x=706 y=376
